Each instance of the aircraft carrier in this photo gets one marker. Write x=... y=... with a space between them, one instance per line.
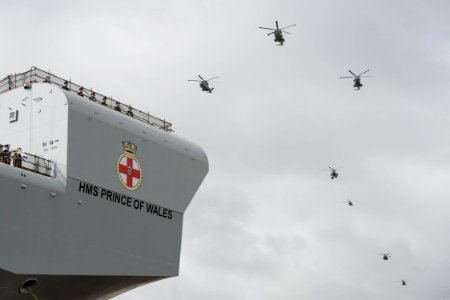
x=94 y=205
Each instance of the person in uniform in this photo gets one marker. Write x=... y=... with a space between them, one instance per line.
x=117 y=107
x=92 y=97
x=6 y=155
x=66 y=85
x=18 y=156
x=81 y=92
x=104 y=101
x=130 y=111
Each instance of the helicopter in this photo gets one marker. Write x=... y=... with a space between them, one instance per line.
x=334 y=174
x=356 y=79
x=278 y=33
x=350 y=203
x=204 y=84
x=386 y=256
x=403 y=281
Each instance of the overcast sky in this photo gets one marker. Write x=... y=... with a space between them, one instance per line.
x=267 y=223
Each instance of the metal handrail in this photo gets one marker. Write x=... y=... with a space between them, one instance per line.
x=35 y=164
x=35 y=75
x=39 y=165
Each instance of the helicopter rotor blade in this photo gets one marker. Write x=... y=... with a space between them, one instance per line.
x=285 y=32
x=339 y=167
x=364 y=72
x=288 y=26
x=276 y=23
x=345 y=77
x=201 y=77
x=212 y=78
x=365 y=76
x=267 y=28
x=271 y=33
x=352 y=73
x=194 y=80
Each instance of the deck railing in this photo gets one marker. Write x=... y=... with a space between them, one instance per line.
x=35 y=75
x=31 y=163
x=39 y=165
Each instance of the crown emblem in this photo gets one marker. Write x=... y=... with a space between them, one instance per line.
x=129 y=147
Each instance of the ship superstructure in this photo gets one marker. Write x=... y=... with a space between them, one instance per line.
x=96 y=207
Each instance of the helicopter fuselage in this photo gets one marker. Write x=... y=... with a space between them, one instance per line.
x=356 y=78
x=205 y=87
x=357 y=83
x=278 y=33
x=279 y=37
x=334 y=174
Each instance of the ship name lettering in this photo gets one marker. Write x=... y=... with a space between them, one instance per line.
x=124 y=200
x=88 y=189
x=162 y=212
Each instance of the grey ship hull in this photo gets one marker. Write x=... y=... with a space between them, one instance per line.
x=84 y=232
x=53 y=242
x=71 y=287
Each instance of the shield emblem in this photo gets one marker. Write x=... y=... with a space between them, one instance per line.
x=129 y=169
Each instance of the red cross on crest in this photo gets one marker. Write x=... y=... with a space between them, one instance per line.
x=128 y=167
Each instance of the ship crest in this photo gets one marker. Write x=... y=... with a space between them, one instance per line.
x=129 y=169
